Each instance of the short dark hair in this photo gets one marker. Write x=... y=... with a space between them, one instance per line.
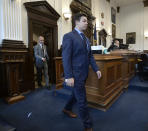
x=78 y=16
x=41 y=36
x=115 y=40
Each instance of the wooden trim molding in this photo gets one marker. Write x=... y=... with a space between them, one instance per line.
x=77 y=6
x=145 y=51
x=84 y=3
x=40 y=14
x=145 y=3
x=12 y=44
x=42 y=8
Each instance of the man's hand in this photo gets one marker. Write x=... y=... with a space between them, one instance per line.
x=43 y=59
x=99 y=74
x=69 y=82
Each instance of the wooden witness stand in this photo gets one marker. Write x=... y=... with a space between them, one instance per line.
x=117 y=69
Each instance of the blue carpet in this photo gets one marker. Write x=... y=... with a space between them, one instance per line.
x=41 y=111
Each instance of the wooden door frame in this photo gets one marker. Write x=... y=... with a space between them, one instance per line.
x=42 y=13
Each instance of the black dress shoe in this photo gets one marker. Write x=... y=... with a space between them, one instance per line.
x=69 y=113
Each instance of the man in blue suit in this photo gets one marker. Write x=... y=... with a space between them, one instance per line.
x=77 y=56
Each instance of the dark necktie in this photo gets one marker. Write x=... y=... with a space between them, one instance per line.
x=43 y=51
x=84 y=40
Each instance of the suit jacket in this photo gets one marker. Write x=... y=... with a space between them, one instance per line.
x=113 y=47
x=76 y=57
x=38 y=52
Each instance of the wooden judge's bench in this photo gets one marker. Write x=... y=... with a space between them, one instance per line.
x=117 y=69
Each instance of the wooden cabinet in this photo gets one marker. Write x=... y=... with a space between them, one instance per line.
x=12 y=57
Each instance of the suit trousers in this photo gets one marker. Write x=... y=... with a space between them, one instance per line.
x=79 y=95
x=39 y=74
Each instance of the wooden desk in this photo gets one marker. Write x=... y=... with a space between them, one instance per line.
x=129 y=61
x=102 y=93
x=117 y=69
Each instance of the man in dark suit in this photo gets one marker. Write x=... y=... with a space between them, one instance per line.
x=77 y=56
x=41 y=58
x=114 y=46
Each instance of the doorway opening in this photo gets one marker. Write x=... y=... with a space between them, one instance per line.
x=42 y=20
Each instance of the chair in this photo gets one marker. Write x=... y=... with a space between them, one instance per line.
x=143 y=67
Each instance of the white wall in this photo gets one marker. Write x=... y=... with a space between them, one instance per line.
x=1 y=21
x=64 y=26
x=60 y=6
x=146 y=27
x=131 y=19
x=99 y=6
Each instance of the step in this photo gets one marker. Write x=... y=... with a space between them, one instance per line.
x=4 y=126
